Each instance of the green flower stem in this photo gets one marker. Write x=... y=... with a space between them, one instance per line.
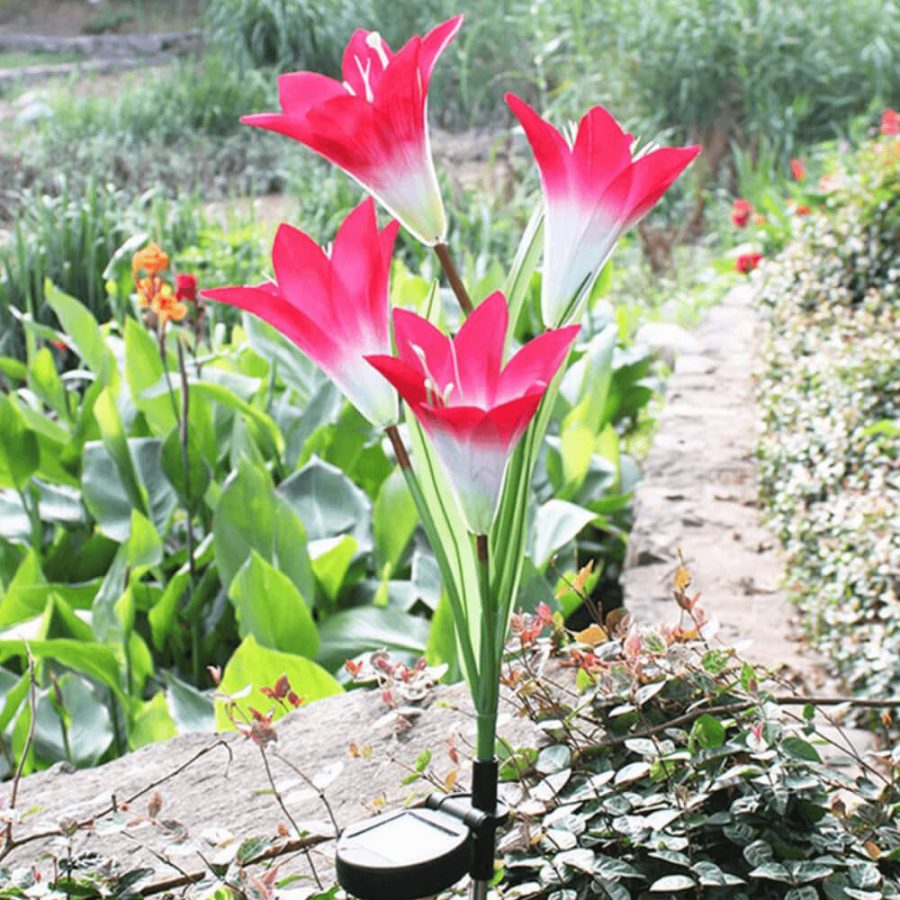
x=449 y=582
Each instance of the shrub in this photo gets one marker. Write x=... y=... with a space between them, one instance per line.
x=675 y=772
x=830 y=395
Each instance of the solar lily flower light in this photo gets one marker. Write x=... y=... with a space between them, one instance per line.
x=477 y=409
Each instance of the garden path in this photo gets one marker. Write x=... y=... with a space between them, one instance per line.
x=700 y=496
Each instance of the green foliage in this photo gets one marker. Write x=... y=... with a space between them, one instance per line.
x=830 y=409
x=175 y=131
x=674 y=774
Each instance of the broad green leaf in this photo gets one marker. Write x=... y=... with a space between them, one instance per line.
x=265 y=431
x=709 y=732
x=13 y=368
x=442 y=645
x=191 y=710
x=162 y=616
x=44 y=380
x=116 y=443
x=19 y=455
x=354 y=631
x=144 y=370
x=294 y=368
x=576 y=450
x=80 y=325
x=799 y=749
x=17 y=605
x=330 y=567
x=60 y=621
x=556 y=523
x=89 y=722
x=328 y=503
x=256 y=667
x=104 y=620
x=94 y=660
x=673 y=884
x=152 y=723
x=250 y=516
x=394 y=520
x=145 y=547
x=106 y=497
x=193 y=483
x=269 y=607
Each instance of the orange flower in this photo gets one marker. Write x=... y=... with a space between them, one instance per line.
x=168 y=307
x=802 y=210
x=157 y=295
x=151 y=259
x=798 y=169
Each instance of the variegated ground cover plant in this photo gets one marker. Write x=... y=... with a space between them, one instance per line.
x=830 y=394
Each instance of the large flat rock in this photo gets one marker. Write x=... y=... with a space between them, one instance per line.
x=224 y=796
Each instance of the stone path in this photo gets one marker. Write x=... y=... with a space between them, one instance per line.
x=700 y=495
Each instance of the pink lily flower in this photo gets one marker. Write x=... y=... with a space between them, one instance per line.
x=594 y=191
x=333 y=306
x=373 y=124
x=474 y=409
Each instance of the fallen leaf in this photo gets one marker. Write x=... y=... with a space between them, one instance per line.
x=592 y=635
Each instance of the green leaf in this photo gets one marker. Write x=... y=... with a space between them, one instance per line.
x=255 y=667
x=44 y=380
x=143 y=371
x=250 y=516
x=265 y=431
x=709 y=732
x=193 y=484
x=556 y=523
x=81 y=326
x=191 y=710
x=328 y=503
x=269 y=607
x=145 y=546
x=162 y=616
x=294 y=368
x=18 y=446
x=16 y=605
x=394 y=520
x=90 y=729
x=115 y=441
x=442 y=645
x=673 y=884
x=366 y=628
x=797 y=748
x=151 y=723
x=771 y=871
x=331 y=566
x=94 y=660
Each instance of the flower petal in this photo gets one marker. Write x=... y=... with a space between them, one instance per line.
x=299 y=91
x=536 y=363
x=434 y=43
x=414 y=336
x=272 y=308
x=602 y=150
x=637 y=190
x=407 y=379
x=551 y=152
x=479 y=350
